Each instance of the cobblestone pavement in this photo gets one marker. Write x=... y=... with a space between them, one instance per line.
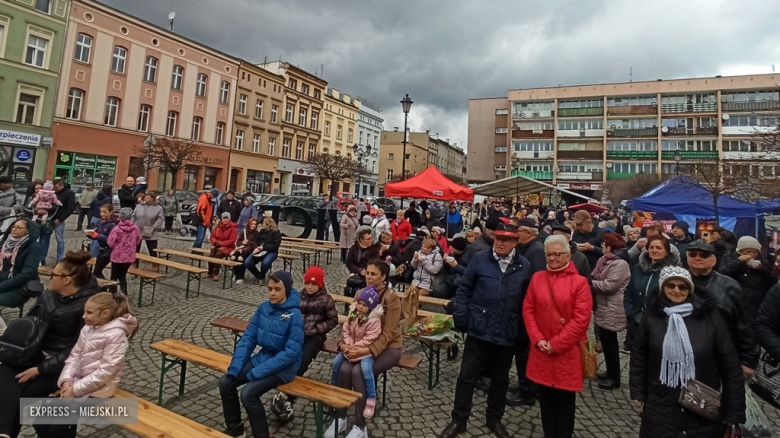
x=412 y=410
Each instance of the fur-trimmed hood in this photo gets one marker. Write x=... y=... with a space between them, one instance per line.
x=647 y=264
x=378 y=311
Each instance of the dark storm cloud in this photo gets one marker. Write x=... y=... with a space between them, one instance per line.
x=444 y=52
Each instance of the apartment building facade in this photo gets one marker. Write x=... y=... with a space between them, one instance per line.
x=257 y=130
x=31 y=44
x=301 y=117
x=124 y=81
x=578 y=137
x=370 y=126
x=339 y=133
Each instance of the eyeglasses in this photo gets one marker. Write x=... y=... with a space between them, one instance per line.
x=554 y=255
x=682 y=287
x=699 y=254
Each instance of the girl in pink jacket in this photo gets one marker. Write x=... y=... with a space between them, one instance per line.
x=123 y=241
x=94 y=367
x=360 y=330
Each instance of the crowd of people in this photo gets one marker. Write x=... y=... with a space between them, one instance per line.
x=524 y=287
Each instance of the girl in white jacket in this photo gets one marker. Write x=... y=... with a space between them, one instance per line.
x=94 y=367
x=426 y=263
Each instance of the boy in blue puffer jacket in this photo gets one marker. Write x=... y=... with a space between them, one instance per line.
x=277 y=327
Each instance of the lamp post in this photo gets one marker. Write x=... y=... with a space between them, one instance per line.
x=406 y=104
x=677 y=158
x=517 y=180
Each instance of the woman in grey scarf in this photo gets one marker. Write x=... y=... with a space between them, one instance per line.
x=681 y=337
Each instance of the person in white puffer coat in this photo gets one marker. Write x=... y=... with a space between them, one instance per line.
x=426 y=263
x=95 y=365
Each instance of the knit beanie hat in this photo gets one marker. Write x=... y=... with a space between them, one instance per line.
x=369 y=296
x=747 y=242
x=287 y=281
x=225 y=215
x=48 y=185
x=125 y=214
x=140 y=180
x=315 y=275
x=675 y=272
x=681 y=225
x=459 y=243
x=214 y=192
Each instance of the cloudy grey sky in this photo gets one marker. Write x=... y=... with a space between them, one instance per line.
x=444 y=52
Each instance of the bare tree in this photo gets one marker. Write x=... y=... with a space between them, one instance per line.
x=167 y=153
x=624 y=189
x=336 y=168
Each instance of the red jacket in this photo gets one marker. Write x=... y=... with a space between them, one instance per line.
x=226 y=236
x=563 y=368
x=401 y=232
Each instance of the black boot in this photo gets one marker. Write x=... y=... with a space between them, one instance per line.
x=498 y=429
x=452 y=430
x=517 y=398
x=609 y=384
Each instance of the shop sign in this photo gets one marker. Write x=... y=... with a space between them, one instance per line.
x=576 y=186
x=563 y=186
x=104 y=162
x=23 y=155
x=303 y=172
x=207 y=160
x=20 y=138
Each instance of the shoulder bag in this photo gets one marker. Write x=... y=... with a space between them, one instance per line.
x=590 y=365
x=700 y=399
x=20 y=345
x=766 y=381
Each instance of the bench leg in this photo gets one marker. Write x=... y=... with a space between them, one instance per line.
x=140 y=292
x=167 y=365
x=328 y=256
x=319 y=419
x=381 y=406
x=167 y=257
x=182 y=377
x=287 y=265
x=432 y=352
x=154 y=287
x=21 y=311
x=227 y=271
x=236 y=337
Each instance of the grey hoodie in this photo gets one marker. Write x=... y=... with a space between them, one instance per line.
x=148 y=215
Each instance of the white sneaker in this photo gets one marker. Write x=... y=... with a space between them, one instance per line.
x=239 y=281
x=331 y=431
x=357 y=432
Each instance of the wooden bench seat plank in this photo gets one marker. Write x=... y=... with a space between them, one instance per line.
x=157 y=422
x=201 y=258
x=312 y=241
x=175 y=265
x=194 y=354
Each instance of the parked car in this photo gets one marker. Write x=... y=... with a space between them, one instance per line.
x=308 y=203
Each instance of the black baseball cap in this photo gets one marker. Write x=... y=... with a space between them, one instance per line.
x=562 y=228
x=701 y=246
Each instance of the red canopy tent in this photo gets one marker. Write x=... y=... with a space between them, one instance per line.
x=429 y=185
x=591 y=208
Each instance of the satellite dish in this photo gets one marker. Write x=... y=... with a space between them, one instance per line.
x=664 y=129
x=172 y=15
x=609 y=165
x=725 y=116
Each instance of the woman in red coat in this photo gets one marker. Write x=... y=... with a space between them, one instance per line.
x=556 y=311
x=223 y=242
x=401 y=228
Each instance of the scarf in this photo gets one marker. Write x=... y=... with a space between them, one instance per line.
x=399 y=219
x=596 y=274
x=11 y=247
x=677 y=366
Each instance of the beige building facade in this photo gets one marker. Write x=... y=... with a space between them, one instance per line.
x=488 y=137
x=339 y=132
x=391 y=151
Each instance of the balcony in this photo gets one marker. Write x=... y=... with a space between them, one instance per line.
x=619 y=175
x=528 y=114
x=767 y=105
x=636 y=110
x=580 y=155
x=689 y=108
x=575 y=112
x=691 y=155
x=533 y=155
x=528 y=133
x=682 y=131
x=751 y=155
x=581 y=133
x=534 y=175
x=580 y=176
x=639 y=155
x=632 y=132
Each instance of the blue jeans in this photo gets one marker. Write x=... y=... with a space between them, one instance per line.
x=250 y=398
x=366 y=365
x=201 y=234
x=44 y=240
x=265 y=264
x=327 y=229
x=59 y=233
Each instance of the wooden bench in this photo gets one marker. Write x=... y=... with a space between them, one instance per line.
x=319 y=393
x=312 y=245
x=192 y=272
x=147 y=278
x=423 y=299
x=155 y=421
x=225 y=265
x=305 y=255
x=238 y=327
x=287 y=259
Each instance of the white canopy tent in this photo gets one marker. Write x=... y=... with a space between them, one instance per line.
x=512 y=186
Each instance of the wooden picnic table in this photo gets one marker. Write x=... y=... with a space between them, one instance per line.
x=193 y=273
x=225 y=265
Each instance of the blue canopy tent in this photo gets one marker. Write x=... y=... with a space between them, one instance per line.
x=688 y=201
x=771 y=206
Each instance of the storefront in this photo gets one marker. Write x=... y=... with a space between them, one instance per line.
x=17 y=155
x=253 y=172
x=295 y=178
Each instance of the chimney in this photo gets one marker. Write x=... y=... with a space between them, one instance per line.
x=395 y=129
x=427 y=131
x=448 y=141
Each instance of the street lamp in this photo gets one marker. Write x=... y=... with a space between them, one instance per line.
x=406 y=104
x=677 y=158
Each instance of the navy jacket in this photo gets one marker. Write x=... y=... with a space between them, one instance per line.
x=488 y=304
x=278 y=330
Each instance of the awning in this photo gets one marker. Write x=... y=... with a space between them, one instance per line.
x=510 y=187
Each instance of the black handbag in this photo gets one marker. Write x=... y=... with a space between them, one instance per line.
x=766 y=381
x=32 y=289
x=20 y=345
x=354 y=284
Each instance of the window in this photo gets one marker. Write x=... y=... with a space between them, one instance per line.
x=305 y=89
x=360 y=136
x=315 y=117
x=579 y=125
x=632 y=101
x=338 y=132
x=634 y=168
x=302 y=116
x=256 y=143
x=170 y=129
x=43 y=6
x=501 y=167
x=751 y=120
x=289 y=115
x=299 y=150
x=751 y=96
x=200 y=89
x=274 y=112
x=633 y=123
x=223 y=95
x=389 y=174
x=376 y=139
x=176 y=79
x=83 y=47
x=501 y=130
x=502 y=112
x=75 y=97
x=118 y=61
x=150 y=70
x=740 y=146
x=647 y=145
x=239 y=139
x=312 y=149
x=293 y=84
x=259 y=109
x=286 y=147
x=220 y=136
x=143 y=118
x=317 y=94
x=196 y=124
x=349 y=135
x=25 y=112
x=272 y=146
x=390 y=156
x=36 y=51
x=327 y=128
x=112 y=111
x=259 y=182
x=581 y=103
x=533 y=146
x=500 y=148
x=241 y=103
